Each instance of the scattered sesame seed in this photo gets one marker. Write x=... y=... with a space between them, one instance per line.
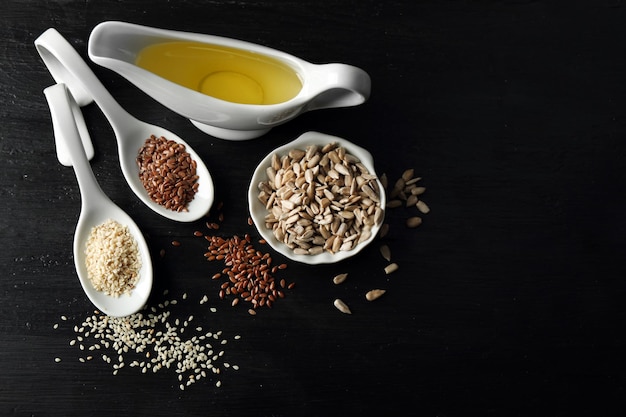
x=155 y=336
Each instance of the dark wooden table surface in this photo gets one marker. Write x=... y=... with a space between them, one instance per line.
x=509 y=299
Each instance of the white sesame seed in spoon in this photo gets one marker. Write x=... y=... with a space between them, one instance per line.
x=96 y=210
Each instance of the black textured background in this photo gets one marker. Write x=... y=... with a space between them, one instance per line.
x=509 y=297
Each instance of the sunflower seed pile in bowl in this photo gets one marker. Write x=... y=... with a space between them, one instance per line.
x=317 y=199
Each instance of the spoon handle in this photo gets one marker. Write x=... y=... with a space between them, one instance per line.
x=61 y=102
x=67 y=67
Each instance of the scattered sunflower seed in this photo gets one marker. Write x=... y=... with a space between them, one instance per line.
x=392 y=267
x=418 y=190
x=422 y=207
x=413 y=221
x=383 y=180
x=394 y=203
x=385 y=252
x=411 y=200
x=341 y=306
x=338 y=279
x=374 y=294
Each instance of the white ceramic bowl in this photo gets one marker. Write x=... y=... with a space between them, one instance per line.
x=258 y=210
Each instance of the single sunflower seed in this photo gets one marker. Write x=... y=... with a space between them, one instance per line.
x=411 y=200
x=374 y=294
x=422 y=207
x=418 y=190
x=385 y=252
x=413 y=221
x=392 y=267
x=407 y=174
x=394 y=203
x=383 y=180
x=341 y=306
x=338 y=279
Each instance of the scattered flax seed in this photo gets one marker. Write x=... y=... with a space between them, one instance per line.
x=162 y=253
x=198 y=233
x=374 y=294
x=413 y=222
x=249 y=272
x=252 y=312
x=338 y=279
x=392 y=267
x=175 y=243
x=385 y=252
x=341 y=306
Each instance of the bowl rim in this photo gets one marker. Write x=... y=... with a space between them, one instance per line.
x=257 y=211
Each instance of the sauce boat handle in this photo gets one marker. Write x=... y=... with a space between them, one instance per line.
x=67 y=67
x=338 y=85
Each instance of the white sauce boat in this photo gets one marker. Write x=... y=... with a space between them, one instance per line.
x=116 y=45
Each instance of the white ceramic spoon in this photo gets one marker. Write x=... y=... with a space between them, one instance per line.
x=96 y=209
x=67 y=67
